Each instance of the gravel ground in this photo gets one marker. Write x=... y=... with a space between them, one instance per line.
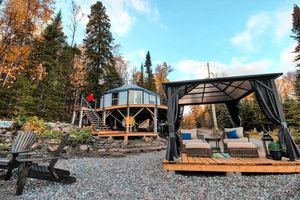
x=142 y=177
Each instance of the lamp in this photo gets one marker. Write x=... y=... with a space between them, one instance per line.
x=267 y=139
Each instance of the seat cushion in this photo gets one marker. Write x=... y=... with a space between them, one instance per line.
x=243 y=139
x=191 y=141
x=241 y=145
x=197 y=145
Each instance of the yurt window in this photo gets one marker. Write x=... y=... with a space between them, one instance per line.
x=151 y=99
x=146 y=98
x=115 y=98
x=123 y=98
x=107 y=100
x=135 y=97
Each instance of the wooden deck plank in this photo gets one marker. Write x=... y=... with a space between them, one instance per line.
x=253 y=165
x=184 y=158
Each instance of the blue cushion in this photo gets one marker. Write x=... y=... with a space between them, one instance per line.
x=232 y=134
x=186 y=136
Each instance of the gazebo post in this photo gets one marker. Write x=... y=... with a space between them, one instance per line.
x=155 y=116
x=128 y=113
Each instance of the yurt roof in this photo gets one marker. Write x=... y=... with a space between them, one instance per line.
x=129 y=87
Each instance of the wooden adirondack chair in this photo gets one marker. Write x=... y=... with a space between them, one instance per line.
x=33 y=170
x=22 y=144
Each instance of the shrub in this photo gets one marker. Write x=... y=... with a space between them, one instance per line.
x=19 y=121
x=274 y=146
x=35 y=124
x=81 y=136
x=51 y=134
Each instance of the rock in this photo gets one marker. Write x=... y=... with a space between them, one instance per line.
x=56 y=129
x=117 y=155
x=51 y=125
x=124 y=144
x=101 y=150
x=52 y=148
x=66 y=129
x=37 y=145
x=115 y=144
x=83 y=147
x=148 y=139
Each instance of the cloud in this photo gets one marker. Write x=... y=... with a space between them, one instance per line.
x=287 y=57
x=283 y=23
x=135 y=58
x=255 y=27
x=276 y=24
x=195 y=69
x=122 y=13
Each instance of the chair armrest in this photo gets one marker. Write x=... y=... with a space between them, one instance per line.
x=24 y=151
x=32 y=154
x=36 y=159
x=247 y=135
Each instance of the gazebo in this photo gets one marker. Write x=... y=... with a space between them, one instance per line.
x=228 y=90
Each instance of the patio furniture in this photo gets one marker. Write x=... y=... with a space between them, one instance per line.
x=33 y=170
x=215 y=139
x=22 y=144
x=200 y=135
x=226 y=140
x=242 y=149
x=199 y=149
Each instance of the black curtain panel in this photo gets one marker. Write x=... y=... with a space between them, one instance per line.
x=175 y=112
x=268 y=99
x=234 y=110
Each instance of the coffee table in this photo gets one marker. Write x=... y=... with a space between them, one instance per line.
x=215 y=139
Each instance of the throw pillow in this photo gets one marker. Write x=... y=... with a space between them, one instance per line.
x=240 y=131
x=186 y=136
x=232 y=134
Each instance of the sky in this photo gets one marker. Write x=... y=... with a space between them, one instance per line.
x=236 y=37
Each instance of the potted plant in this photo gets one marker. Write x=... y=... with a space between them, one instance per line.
x=275 y=150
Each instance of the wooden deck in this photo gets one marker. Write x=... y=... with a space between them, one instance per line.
x=133 y=106
x=110 y=133
x=250 y=165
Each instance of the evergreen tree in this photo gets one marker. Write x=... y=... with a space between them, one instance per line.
x=101 y=72
x=141 y=78
x=150 y=82
x=296 y=36
x=56 y=59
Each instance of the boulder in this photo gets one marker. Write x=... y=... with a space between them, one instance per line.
x=56 y=129
x=37 y=145
x=52 y=148
x=83 y=147
x=51 y=125
x=66 y=129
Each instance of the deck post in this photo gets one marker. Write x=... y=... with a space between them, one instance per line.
x=104 y=116
x=80 y=113
x=80 y=118
x=73 y=117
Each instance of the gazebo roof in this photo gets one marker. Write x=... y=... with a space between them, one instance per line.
x=129 y=87
x=217 y=90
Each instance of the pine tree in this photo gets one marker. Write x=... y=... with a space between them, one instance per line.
x=150 y=82
x=296 y=36
x=141 y=78
x=56 y=60
x=101 y=72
